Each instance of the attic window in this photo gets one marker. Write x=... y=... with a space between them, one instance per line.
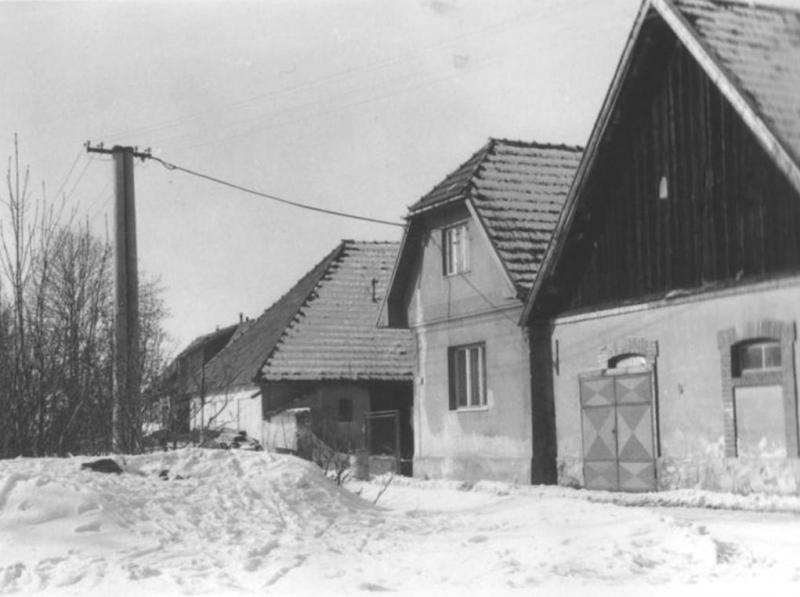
x=663 y=188
x=455 y=250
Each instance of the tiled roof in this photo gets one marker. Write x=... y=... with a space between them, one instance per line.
x=759 y=46
x=455 y=184
x=518 y=190
x=222 y=335
x=238 y=364
x=323 y=328
x=333 y=335
x=197 y=352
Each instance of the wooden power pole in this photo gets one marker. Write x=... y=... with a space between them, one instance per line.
x=126 y=416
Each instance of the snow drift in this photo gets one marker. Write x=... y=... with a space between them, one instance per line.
x=230 y=522
x=218 y=516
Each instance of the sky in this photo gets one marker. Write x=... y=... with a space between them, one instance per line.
x=359 y=106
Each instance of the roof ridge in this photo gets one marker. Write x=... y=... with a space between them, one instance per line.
x=199 y=338
x=537 y=144
x=489 y=149
x=752 y=4
x=371 y=242
x=485 y=151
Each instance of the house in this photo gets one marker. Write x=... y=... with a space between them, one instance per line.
x=471 y=251
x=317 y=349
x=663 y=322
x=185 y=376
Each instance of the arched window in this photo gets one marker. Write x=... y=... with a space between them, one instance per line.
x=627 y=361
x=663 y=188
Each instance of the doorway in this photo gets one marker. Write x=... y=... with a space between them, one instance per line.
x=617 y=422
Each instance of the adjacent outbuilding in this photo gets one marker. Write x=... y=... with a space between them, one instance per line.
x=317 y=351
x=663 y=322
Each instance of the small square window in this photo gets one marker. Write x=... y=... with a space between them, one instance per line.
x=455 y=250
x=345 y=410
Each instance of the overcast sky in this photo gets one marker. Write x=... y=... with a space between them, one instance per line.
x=351 y=105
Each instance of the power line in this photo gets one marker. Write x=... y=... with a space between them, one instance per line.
x=69 y=173
x=68 y=196
x=477 y=290
x=232 y=185
x=295 y=113
x=251 y=126
x=516 y=21
x=552 y=15
x=100 y=204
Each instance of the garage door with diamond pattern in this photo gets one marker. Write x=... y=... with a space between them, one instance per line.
x=618 y=432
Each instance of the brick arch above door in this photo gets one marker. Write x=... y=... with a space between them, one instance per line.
x=630 y=345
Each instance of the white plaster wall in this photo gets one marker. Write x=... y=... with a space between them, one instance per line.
x=232 y=410
x=483 y=287
x=689 y=382
x=479 y=305
x=493 y=442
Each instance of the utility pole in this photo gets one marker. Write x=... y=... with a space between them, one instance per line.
x=127 y=366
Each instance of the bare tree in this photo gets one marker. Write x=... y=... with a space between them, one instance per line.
x=26 y=239
x=56 y=329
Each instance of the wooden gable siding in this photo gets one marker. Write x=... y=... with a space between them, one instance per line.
x=730 y=213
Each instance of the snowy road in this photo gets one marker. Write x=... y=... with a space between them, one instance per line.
x=771 y=539
x=254 y=523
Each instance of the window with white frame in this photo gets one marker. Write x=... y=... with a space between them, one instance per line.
x=467 y=368
x=455 y=249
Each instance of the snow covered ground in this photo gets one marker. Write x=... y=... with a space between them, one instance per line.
x=229 y=522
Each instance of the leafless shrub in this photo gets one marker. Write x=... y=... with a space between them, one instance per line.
x=384 y=487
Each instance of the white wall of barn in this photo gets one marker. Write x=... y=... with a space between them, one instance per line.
x=689 y=412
